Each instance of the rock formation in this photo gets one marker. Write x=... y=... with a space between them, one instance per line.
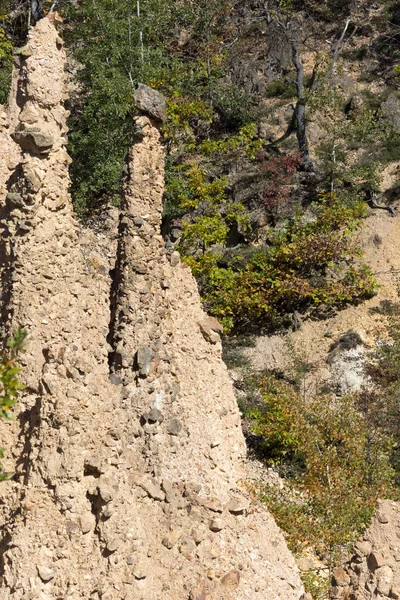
x=373 y=572
x=127 y=449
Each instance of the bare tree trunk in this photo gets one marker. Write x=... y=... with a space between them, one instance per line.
x=37 y=11
x=298 y=122
x=300 y=109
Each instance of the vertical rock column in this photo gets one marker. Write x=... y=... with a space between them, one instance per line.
x=167 y=351
x=63 y=420
x=204 y=539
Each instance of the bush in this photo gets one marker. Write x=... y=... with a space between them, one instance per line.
x=5 y=65
x=338 y=462
x=279 y=88
x=297 y=268
x=10 y=384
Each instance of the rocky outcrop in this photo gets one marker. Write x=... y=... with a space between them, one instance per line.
x=128 y=482
x=373 y=572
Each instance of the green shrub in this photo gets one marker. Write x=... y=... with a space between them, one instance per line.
x=5 y=65
x=279 y=88
x=338 y=462
x=9 y=380
x=291 y=272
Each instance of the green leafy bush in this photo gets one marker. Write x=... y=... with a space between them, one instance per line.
x=338 y=462
x=5 y=64
x=209 y=211
x=9 y=380
x=245 y=143
x=297 y=267
x=280 y=88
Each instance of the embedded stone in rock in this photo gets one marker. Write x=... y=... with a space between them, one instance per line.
x=34 y=140
x=382 y=517
x=170 y=494
x=139 y=572
x=140 y=269
x=200 y=593
x=384 y=580
x=14 y=199
x=217 y=525
x=212 y=504
x=211 y=328
x=363 y=548
x=151 y=102
x=113 y=544
x=87 y=522
x=231 y=580
x=172 y=538
x=238 y=506
x=175 y=259
x=154 y=416
x=340 y=577
x=106 y=492
x=187 y=547
x=154 y=491
x=32 y=180
x=174 y=427
x=114 y=379
x=144 y=358
x=45 y=573
x=375 y=561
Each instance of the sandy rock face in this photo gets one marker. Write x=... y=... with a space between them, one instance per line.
x=128 y=481
x=373 y=571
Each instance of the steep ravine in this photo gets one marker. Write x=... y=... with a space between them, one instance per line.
x=129 y=484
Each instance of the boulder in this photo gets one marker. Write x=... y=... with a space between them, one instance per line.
x=151 y=102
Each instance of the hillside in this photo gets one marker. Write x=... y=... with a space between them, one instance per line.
x=199 y=244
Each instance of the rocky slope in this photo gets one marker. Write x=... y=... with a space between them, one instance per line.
x=373 y=571
x=127 y=484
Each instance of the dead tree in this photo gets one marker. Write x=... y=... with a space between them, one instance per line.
x=274 y=13
x=298 y=122
x=36 y=10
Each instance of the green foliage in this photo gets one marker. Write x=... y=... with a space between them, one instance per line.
x=9 y=380
x=338 y=454
x=281 y=89
x=315 y=584
x=278 y=425
x=339 y=463
x=105 y=36
x=245 y=143
x=212 y=213
x=5 y=65
x=183 y=114
x=232 y=104
x=291 y=271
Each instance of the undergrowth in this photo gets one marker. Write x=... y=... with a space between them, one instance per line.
x=9 y=382
x=337 y=455
x=309 y=261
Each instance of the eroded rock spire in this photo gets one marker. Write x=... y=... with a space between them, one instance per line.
x=128 y=485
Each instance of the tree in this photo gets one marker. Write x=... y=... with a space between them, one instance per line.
x=119 y=46
x=281 y=13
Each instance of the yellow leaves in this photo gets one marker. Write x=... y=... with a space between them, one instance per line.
x=246 y=142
